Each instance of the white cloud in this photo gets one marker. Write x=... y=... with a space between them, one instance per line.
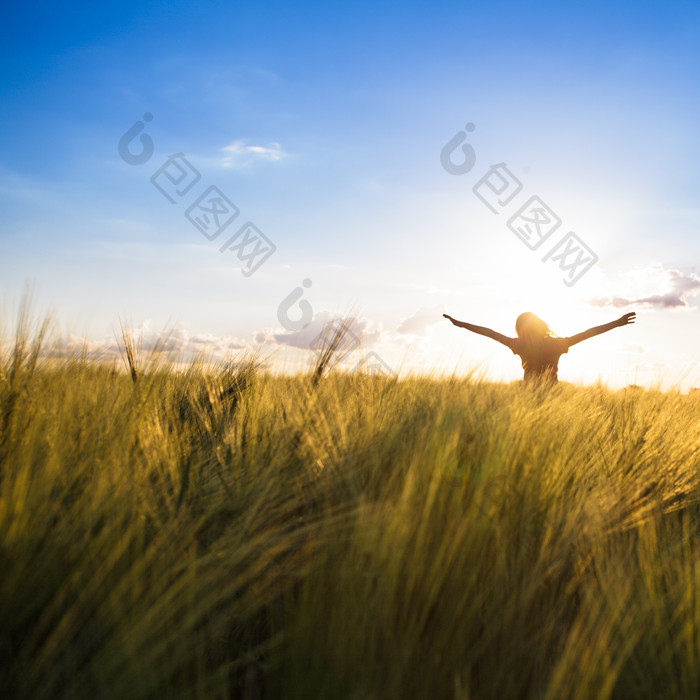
x=176 y=343
x=240 y=153
x=419 y=323
x=361 y=333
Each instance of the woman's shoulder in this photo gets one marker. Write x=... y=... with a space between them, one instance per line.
x=519 y=345
x=560 y=343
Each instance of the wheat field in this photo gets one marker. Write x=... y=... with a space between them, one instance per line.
x=219 y=531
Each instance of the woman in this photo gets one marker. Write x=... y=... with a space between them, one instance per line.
x=538 y=348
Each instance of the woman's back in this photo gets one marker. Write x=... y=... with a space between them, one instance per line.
x=540 y=356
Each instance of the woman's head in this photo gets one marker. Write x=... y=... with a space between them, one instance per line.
x=531 y=327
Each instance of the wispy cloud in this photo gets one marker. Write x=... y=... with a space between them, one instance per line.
x=676 y=287
x=241 y=153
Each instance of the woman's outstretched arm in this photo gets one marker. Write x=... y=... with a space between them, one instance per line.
x=597 y=330
x=481 y=330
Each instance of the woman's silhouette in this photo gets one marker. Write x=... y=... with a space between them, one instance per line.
x=537 y=346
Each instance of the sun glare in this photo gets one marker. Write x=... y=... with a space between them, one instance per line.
x=541 y=294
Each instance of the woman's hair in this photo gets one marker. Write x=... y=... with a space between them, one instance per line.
x=531 y=327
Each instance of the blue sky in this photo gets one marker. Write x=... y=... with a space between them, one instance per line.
x=323 y=124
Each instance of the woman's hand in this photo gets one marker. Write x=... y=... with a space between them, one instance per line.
x=449 y=318
x=625 y=319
